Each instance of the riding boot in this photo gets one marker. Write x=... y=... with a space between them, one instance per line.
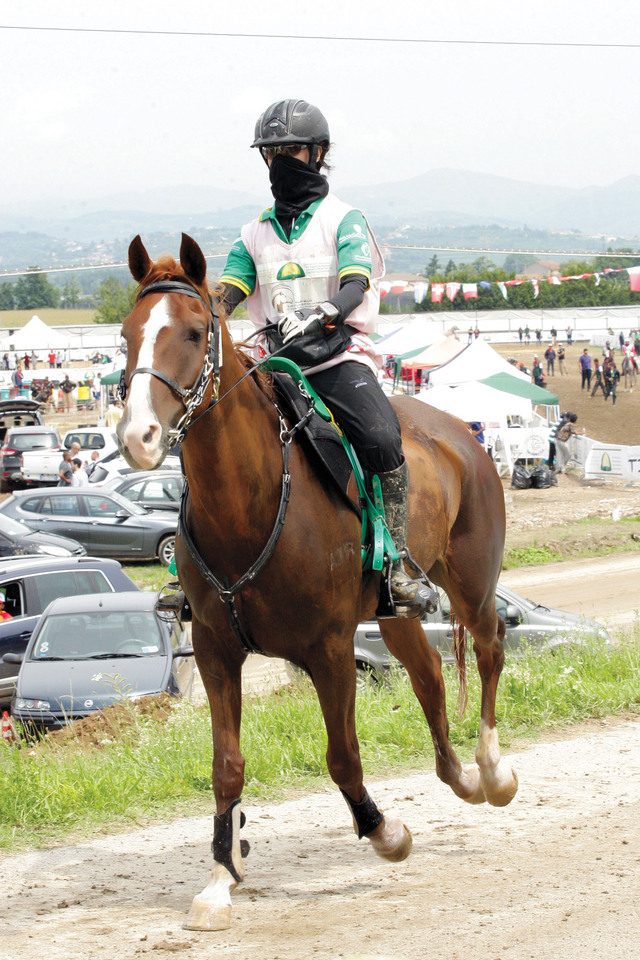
x=394 y=486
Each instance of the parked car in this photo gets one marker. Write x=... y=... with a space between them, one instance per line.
x=105 y=523
x=153 y=489
x=113 y=465
x=19 y=540
x=41 y=467
x=16 y=441
x=529 y=625
x=30 y=584
x=19 y=412
x=89 y=652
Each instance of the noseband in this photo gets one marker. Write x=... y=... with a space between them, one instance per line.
x=191 y=397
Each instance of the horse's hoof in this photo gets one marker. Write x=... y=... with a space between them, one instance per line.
x=501 y=787
x=391 y=840
x=204 y=916
x=471 y=789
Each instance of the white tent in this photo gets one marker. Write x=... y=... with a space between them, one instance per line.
x=414 y=335
x=475 y=401
x=36 y=335
x=476 y=362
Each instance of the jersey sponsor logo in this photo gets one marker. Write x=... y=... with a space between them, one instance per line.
x=290 y=271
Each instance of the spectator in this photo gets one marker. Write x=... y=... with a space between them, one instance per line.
x=553 y=333
x=537 y=372
x=3 y=613
x=563 y=436
x=477 y=429
x=67 y=386
x=79 y=477
x=569 y=336
x=469 y=335
x=520 y=333
x=552 y=439
x=16 y=381
x=51 y=357
x=59 y=359
x=562 y=367
x=621 y=340
x=527 y=335
x=611 y=381
x=550 y=357
x=26 y=360
x=599 y=384
x=114 y=414
x=65 y=471
x=585 y=368
x=90 y=467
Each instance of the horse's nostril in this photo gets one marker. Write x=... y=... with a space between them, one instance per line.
x=147 y=438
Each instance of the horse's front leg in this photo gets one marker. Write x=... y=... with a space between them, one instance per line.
x=211 y=909
x=334 y=678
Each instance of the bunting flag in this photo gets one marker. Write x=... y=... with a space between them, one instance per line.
x=634 y=278
x=420 y=291
x=470 y=290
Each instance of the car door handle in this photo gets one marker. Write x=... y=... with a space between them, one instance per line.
x=25 y=635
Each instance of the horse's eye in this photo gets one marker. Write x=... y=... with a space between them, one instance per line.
x=194 y=336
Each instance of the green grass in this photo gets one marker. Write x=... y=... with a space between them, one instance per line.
x=148 y=576
x=50 y=315
x=153 y=769
x=529 y=557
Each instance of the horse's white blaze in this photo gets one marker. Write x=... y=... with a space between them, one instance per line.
x=141 y=414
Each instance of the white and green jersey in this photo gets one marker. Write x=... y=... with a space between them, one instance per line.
x=330 y=240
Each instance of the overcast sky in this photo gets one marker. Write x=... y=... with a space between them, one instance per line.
x=85 y=114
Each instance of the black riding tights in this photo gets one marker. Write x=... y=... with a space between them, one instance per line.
x=354 y=396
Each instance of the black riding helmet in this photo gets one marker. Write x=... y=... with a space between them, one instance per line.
x=292 y=121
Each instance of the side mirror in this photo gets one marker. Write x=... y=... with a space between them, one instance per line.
x=13 y=658
x=122 y=515
x=513 y=614
x=182 y=652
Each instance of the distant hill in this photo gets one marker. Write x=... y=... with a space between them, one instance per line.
x=450 y=207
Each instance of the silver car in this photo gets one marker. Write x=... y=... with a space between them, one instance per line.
x=529 y=625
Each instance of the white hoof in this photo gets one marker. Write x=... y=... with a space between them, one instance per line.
x=471 y=784
x=211 y=909
x=391 y=840
x=499 y=781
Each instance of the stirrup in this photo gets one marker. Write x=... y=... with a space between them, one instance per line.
x=171 y=603
x=426 y=599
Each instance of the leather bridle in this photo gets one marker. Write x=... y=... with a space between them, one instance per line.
x=192 y=397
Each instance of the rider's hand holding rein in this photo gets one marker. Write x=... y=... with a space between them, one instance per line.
x=305 y=322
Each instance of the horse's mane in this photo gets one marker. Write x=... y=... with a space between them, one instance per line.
x=167 y=268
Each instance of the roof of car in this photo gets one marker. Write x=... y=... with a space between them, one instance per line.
x=36 y=428
x=17 y=566
x=103 y=602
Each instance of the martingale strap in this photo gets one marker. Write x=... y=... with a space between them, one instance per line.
x=228 y=593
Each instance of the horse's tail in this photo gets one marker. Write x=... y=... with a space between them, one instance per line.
x=460 y=654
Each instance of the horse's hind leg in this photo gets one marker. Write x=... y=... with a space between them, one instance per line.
x=211 y=909
x=335 y=682
x=407 y=642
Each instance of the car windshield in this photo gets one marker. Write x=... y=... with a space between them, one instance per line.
x=33 y=441
x=13 y=528
x=99 y=636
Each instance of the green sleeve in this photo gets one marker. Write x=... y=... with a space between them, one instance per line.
x=240 y=270
x=354 y=252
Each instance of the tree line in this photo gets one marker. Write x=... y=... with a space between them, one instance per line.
x=112 y=300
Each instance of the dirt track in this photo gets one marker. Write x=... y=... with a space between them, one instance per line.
x=555 y=875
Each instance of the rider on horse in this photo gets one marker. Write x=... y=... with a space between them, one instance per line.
x=311 y=266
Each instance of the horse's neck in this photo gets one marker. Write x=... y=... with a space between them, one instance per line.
x=233 y=463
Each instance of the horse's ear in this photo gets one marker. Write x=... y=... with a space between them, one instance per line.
x=139 y=260
x=192 y=260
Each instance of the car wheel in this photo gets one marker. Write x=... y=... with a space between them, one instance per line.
x=166 y=549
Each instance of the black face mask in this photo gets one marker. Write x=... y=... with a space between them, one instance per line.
x=294 y=185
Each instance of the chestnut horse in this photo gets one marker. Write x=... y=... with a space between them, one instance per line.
x=184 y=378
